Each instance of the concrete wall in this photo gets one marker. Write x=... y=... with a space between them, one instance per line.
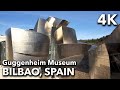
x=99 y=63
x=66 y=50
x=113 y=41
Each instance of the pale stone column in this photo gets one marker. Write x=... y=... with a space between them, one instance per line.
x=99 y=62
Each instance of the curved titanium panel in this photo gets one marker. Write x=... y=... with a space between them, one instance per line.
x=48 y=27
x=58 y=34
x=27 y=42
x=57 y=22
x=30 y=42
x=51 y=20
x=40 y=26
x=69 y=35
x=66 y=35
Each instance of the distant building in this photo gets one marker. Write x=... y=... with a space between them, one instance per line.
x=31 y=29
x=2 y=38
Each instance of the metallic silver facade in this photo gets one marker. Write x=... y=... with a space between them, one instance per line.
x=40 y=26
x=58 y=22
x=26 y=43
x=65 y=35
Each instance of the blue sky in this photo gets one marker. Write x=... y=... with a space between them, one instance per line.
x=84 y=22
